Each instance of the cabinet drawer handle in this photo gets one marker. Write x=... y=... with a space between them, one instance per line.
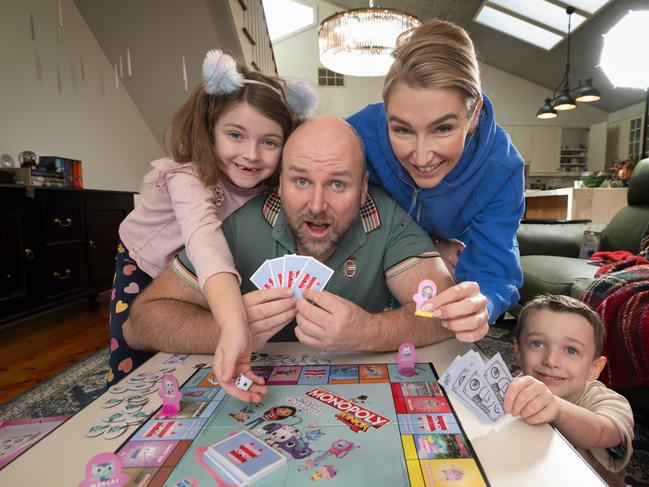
x=92 y=245
x=29 y=254
x=58 y=275
x=68 y=222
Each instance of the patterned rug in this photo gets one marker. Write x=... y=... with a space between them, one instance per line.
x=74 y=388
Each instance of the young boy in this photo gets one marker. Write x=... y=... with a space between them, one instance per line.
x=558 y=345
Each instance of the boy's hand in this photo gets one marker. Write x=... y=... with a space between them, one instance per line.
x=231 y=358
x=531 y=399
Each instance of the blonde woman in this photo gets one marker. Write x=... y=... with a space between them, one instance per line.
x=434 y=145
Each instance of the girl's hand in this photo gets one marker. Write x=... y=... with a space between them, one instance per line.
x=231 y=358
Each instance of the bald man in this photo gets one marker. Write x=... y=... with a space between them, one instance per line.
x=323 y=208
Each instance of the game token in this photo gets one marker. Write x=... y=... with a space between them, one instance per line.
x=170 y=395
x=166 y=370
x=153 y=388
x=105 y=469
x=136 y=379
x=115 y=430
x=243 y=382
x=118 y=388
x=114 y=418
x=131 y=408
x=138 y=417
x=139 y=386
x=406 y=359
x=96 y=430
x=137 y=399
x=113 y=401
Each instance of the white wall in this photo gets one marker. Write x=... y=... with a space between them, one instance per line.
x=516 y=100
x=59 y=98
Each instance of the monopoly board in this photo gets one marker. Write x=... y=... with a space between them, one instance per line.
x=337 y=425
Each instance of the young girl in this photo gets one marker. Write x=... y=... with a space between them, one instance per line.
x=226 y=143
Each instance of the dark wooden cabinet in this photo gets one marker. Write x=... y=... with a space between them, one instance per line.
x=56 y=245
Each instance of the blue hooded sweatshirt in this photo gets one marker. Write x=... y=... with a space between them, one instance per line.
x=480 y=202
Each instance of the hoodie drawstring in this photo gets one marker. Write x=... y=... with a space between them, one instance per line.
x=413 y=203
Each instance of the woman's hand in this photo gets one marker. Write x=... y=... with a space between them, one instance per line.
x=462 y=309
x=450 y=251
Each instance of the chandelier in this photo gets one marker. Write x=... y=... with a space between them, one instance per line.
x=585 y=93
x=359 y=42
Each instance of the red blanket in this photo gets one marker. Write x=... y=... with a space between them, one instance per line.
x=621 y=298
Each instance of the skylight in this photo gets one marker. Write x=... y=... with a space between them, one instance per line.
x=285 y=17
x=518 y=28
x=509 y=16
x=543 y=12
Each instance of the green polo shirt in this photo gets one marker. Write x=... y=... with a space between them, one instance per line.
x=381 y=243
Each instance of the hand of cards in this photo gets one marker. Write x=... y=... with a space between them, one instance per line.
x=295 y=271
x=480 y=387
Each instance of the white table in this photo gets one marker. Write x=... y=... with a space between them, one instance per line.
x=512 y=452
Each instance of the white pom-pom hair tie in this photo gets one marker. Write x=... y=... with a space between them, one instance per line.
x=221 y=77
x=220 y=74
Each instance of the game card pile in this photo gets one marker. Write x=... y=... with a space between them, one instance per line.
x=480 y=387
x=295 y=271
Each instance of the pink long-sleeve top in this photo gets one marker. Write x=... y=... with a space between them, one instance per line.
x=180 y=211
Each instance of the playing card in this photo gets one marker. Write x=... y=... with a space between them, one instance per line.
x=497 y=376
x=293 y=265
x=262 y=278
x=277 y=271
x=315 y=275
x=477 y=390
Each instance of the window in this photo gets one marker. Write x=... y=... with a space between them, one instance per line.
x=327 y=77
x=635 y=137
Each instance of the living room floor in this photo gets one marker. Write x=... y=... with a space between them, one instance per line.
x=37 y=348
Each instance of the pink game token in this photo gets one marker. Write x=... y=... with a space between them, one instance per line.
x=170 y=395
x=422 y=299
x=105 y=469
x=406 y=359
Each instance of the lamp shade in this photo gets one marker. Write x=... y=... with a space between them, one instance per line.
x=546 y=111
x=587 y=93
x=359 y=42
x=622 y=59
x=564 y=102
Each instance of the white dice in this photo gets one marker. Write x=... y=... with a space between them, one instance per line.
x=243 y=382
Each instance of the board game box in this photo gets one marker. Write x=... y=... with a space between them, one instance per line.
x=336 y=425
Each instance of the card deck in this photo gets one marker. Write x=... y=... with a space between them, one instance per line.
x=481 y=388
x=298 y=272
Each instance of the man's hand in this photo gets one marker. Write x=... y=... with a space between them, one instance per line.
x=329 y=322
x=268 y=311
x=231 y=358
x=462 y=310
x=531 y=399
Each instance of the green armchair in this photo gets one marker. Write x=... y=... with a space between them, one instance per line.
x=549 y=252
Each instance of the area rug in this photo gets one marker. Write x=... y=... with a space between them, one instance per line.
x=63 y=394
x=75 y=387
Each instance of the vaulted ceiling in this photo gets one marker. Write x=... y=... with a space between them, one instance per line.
x=527 y=61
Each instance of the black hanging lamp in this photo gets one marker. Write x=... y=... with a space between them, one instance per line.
x=562 y=98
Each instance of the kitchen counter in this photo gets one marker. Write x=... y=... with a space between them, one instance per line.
x=596 y=204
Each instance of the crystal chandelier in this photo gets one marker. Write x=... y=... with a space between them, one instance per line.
x=359 y=42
